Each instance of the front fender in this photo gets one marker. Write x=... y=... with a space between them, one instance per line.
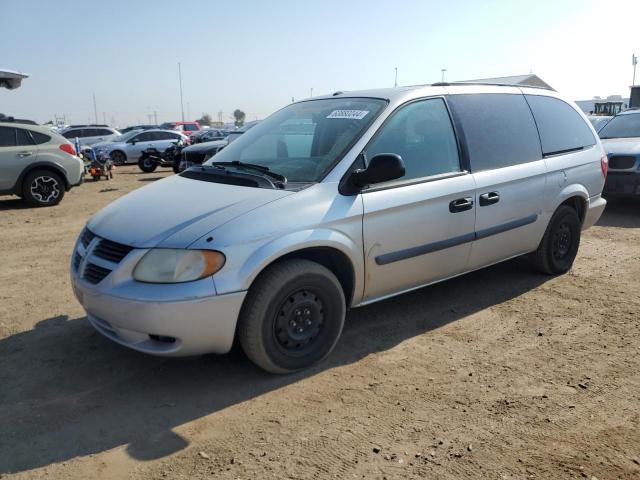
x=243 y=275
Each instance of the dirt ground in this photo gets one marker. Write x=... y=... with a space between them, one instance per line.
x=503 y=373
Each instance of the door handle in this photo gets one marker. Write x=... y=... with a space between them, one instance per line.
x=489 y=198
x=461 y=205
x=24 y=154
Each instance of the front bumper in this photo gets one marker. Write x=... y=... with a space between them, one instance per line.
x=163 y=321
x=622 y=184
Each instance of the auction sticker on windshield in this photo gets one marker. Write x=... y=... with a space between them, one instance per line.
x=350 y=114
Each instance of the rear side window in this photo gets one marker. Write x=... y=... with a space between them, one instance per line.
x=7 y=137
x=561 y=128
x=23 y=137
x=72 y=134
x=40 y=138
x=499 y=129
x=103 y=131
x=190 y=127
x=422 y=134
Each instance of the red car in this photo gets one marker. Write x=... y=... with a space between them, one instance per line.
x=188 y=128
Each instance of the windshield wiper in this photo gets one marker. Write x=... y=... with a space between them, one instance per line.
x=251 y=166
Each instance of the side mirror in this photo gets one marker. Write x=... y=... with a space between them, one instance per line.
x=382 y=168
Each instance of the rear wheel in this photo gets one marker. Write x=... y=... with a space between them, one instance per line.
x=43 y=188
x=292 y=316
x=118 y=157
x=559 y=246
x=147 y=165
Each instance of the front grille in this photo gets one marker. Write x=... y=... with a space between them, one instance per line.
x=112 y=251
x=85 y=237
x=94 y=273
x=89 y=261
x=76 y=261
x=621 y=162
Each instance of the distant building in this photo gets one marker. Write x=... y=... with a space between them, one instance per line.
x=529 y=80
x=589 y=106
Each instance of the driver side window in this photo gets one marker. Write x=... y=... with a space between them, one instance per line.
x=422 y=134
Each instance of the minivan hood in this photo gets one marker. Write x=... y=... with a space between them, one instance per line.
x=176 y=211
x=629 y=146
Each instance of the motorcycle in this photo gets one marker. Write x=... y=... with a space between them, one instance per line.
x=153 y=158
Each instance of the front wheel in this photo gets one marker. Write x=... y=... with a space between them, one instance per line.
x=292 y=316
x=147 y=165
x=118 y=157
x=559 y=246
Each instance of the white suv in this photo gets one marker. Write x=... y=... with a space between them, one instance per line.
x=90 y=134
x=37 y=164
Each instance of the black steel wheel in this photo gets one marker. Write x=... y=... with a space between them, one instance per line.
x=292 y=316
x=559 y=246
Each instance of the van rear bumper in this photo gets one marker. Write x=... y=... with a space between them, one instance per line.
x=594 y=211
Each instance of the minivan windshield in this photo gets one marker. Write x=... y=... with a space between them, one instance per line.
x=622 y=126
x=303 y=141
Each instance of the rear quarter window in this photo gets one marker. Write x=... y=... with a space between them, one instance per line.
x=23 y=137
x=40 y=138
x=499 y=129
x=561 y=127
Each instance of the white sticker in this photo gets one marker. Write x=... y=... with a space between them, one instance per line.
x=350 y=114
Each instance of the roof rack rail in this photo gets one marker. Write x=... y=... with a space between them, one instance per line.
x=89 y=125
x=445 y=84
x=8 y=119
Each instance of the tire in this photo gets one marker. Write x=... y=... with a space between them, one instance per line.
x=176 y=166
x=147 y=165
x=43 y=188
x=118 y=157
x=292 y=317
x=559 y=246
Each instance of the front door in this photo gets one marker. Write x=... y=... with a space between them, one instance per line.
x=417 y=229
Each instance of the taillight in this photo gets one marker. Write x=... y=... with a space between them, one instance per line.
x=604 y=165
x=68 y=148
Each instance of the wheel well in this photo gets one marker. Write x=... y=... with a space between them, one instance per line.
x=334 y=260
x=578 y=204
x=47 y=168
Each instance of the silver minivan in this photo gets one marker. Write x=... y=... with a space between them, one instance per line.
x=337 y=202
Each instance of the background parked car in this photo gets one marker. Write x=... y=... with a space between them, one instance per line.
x=138 y=127
x=37 y=164
x=90 y=134
x=200 y=153
x=188 y=128
x=208 y=135
x=621 y=140
x=130 y=146
x=598 y=121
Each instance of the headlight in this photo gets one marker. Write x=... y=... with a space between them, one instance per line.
x=162 y=265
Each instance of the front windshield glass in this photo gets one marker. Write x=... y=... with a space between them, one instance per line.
x=126 y=136
x=305 y=140
x=622 y=126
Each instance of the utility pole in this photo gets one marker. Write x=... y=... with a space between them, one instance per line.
x=104 y=118
x=634 y=62
x=395 y=83
x=188 y=111
x=311 y=92
x=155 y=117
x=181 y=101
x=220 y=117
x=443 y=72
x=95 y=109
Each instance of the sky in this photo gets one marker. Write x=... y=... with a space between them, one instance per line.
x=258 y=55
